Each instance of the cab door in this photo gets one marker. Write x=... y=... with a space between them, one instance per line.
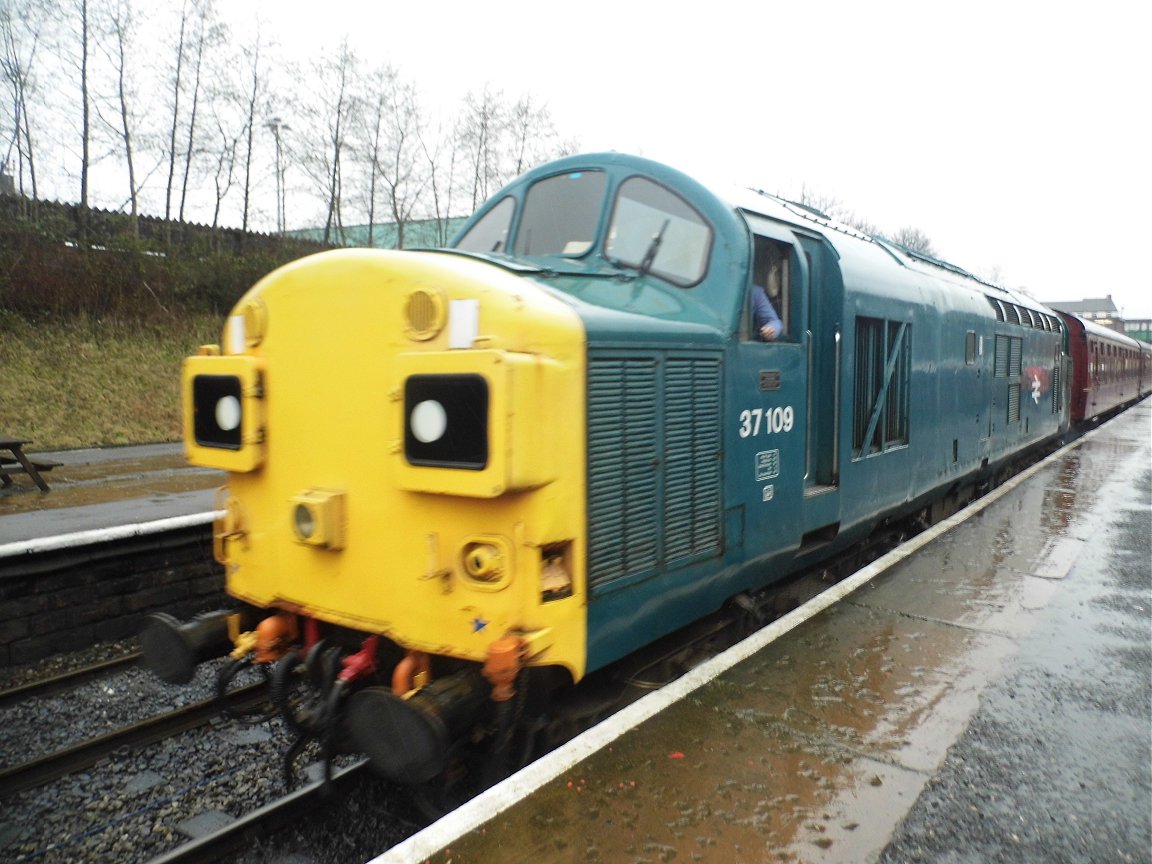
x=766 y=449
x=790 y=419
x=823 y=341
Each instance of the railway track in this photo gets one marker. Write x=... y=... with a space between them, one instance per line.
x=265 y=821
x=46 y=768
x=65 y=681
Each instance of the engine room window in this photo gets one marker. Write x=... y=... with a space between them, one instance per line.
x=970 y=347
x=561 y=214
x=490 y=234
x=883 y=378
x=656 y=231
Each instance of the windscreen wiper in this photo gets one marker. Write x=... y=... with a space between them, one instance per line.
x=653 y=248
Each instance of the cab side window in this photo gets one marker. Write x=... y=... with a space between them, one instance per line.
x=769 y=306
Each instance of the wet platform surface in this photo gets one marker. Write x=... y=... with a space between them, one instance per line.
x=105 y=488
x=987 y=699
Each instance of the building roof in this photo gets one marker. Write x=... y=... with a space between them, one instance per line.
x=1090 y=307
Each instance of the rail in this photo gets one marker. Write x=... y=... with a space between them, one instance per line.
x=65 y=680
x=263 y=821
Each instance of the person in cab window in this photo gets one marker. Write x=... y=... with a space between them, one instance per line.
x=765 y=321
x=769 y=281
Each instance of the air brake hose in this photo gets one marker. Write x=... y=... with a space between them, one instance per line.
x=281 y=687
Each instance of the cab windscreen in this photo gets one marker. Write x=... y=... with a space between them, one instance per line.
x=446 y=421
x=217 y=406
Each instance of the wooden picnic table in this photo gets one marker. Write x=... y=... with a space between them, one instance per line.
x=20 y=463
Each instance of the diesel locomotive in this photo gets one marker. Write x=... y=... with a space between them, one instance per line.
x=462 y=480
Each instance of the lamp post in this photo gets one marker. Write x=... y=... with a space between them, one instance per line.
x=276 y=125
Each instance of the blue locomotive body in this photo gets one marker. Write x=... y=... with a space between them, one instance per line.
x=718 y=462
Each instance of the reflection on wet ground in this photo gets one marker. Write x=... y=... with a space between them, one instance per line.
x=814 y=749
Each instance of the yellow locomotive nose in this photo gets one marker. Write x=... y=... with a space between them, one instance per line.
x=387 y=475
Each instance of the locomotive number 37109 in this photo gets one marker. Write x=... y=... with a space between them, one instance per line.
x=766 y=421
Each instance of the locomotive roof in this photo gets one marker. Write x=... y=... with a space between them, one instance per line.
x=865 y=259
x=839 y=233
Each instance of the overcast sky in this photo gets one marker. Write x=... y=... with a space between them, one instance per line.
x=1014 y=134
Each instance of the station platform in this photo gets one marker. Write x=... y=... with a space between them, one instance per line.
x=984 y=697
x=102 y=488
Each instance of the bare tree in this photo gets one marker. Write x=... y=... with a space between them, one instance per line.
x=121 y=28
x=228 y=97
x=327 y=113
x=393 y=150
x=225 y=168
x=479 y=129
x=374 y=134
x=177 y=90
x=20 y=28
x=441 y=177
x=254 y=94
x=833 y=208
x=531 y=130
x=209 y=34
x=916 y=240
x=829 y=205
x=86 y=118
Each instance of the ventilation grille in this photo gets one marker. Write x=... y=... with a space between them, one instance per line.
x=1013 y=403
x=654 y=474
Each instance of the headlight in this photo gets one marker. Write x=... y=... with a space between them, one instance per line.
x=319 y=517
x=305 y=522
x=446 y=421
x=217 y=411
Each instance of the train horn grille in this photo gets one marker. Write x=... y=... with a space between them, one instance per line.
x=424 y=313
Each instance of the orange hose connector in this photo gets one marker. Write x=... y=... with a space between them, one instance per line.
x=411 y=673
x=274 y=636
x=505 y=660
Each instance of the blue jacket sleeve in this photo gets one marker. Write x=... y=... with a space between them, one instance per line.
x=762 y=311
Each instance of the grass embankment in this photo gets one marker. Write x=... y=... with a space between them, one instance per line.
x=87 y=383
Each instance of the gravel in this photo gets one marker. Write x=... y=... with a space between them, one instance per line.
x=44 y=724
x=138 y=804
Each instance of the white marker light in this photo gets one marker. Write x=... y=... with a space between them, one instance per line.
x=305 y=523
x=429 y=421
x=228 y=413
